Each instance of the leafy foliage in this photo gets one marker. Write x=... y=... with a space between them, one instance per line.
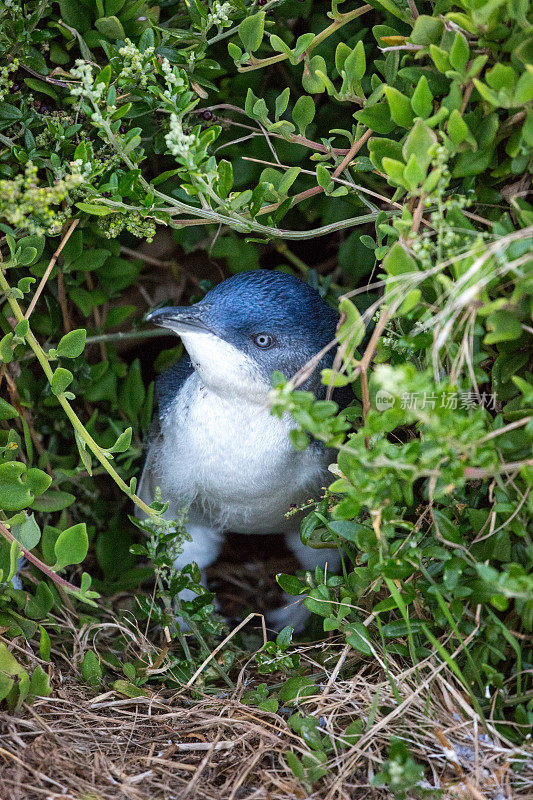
x=397 y=137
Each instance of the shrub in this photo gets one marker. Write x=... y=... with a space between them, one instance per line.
x=402 y=142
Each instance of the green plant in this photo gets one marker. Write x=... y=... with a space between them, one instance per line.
x=396 y=137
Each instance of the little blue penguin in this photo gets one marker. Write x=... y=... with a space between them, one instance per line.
x=216 y=446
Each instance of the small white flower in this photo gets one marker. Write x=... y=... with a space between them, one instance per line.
x=178 y=142
x=220 y=13
x=86 y=87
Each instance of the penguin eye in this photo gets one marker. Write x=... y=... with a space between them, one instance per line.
x=264 y=340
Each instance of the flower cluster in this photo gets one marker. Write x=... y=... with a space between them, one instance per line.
x=173 y=79
x=136 y=65
x=142 y=227
x=86 y=87
x=28 y=206
x=5 y=82
x=178 y=142
x=220 y=15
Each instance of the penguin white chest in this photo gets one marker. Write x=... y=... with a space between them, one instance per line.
x=236 y=460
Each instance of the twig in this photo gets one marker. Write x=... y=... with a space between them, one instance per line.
x=297 y=198
x=506 y=428
x=77 y=424
x=220 y=646
x=477 y=473
x=6 y=533
x=46 y=78
x=50 y=267
x=413 y=9
x=468 y=91
x=337 y=23
x=294 y=138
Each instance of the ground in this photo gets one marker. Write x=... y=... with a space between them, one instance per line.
x=99 y=745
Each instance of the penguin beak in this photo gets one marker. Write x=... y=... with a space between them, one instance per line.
x=180 y=319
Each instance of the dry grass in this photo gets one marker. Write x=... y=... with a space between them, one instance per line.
x=76 y=745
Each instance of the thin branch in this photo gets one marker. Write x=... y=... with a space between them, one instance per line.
x=506 y=428
x=6 y=533
x=50 y=267
x=77 y=424
x=337 y=23
x=297 y=198
x=46 y=78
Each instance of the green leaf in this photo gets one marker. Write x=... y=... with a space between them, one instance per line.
x=6 y=348
x=6 y=410
x=377 y=117
x=303 y=113
x=503 y=326
x=282 y=101
x=129 y=689
x=37 y=480
x=355 y=63
x=289 y=583
x=225 y=178
x=299 y=439
x=458 y=129
x=411 y=300
x=123 y=442
x=28 y=533
x=74 y=14
x=45 y=644
x=297 y=689
x=279 y=45
x=501 y=76
x=383 y=148
x=288 y=179
x=42 y=87
x=251 y=31
x=91 y=208
x=311 y=82
x=400 y=107
x=341 y=54
x=440 y=58
x=357 y=636
x=524 y=88
x=323 y=176
x=39 y=683
x=426 y=30
x=40 y=605
x=418 y=143
x=352 y=329
x=394 y=170
x=72 y=344
x=22 y=328
x=284 y=637
x=422 y=99
x=132 y=392
x=71 y=546
x=60 y=380
x=16 y=494
x=53 y=501
x=398 y=261
x=459 y=52
x=91 y=669
x=27 y=256
x=110 y=27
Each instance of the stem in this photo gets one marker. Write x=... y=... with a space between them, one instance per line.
x=50 y=267
x=67 y=408
x=233 y=220
x=124 y=336
x=38 y=563
x=341 y=20
x=231 y=31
